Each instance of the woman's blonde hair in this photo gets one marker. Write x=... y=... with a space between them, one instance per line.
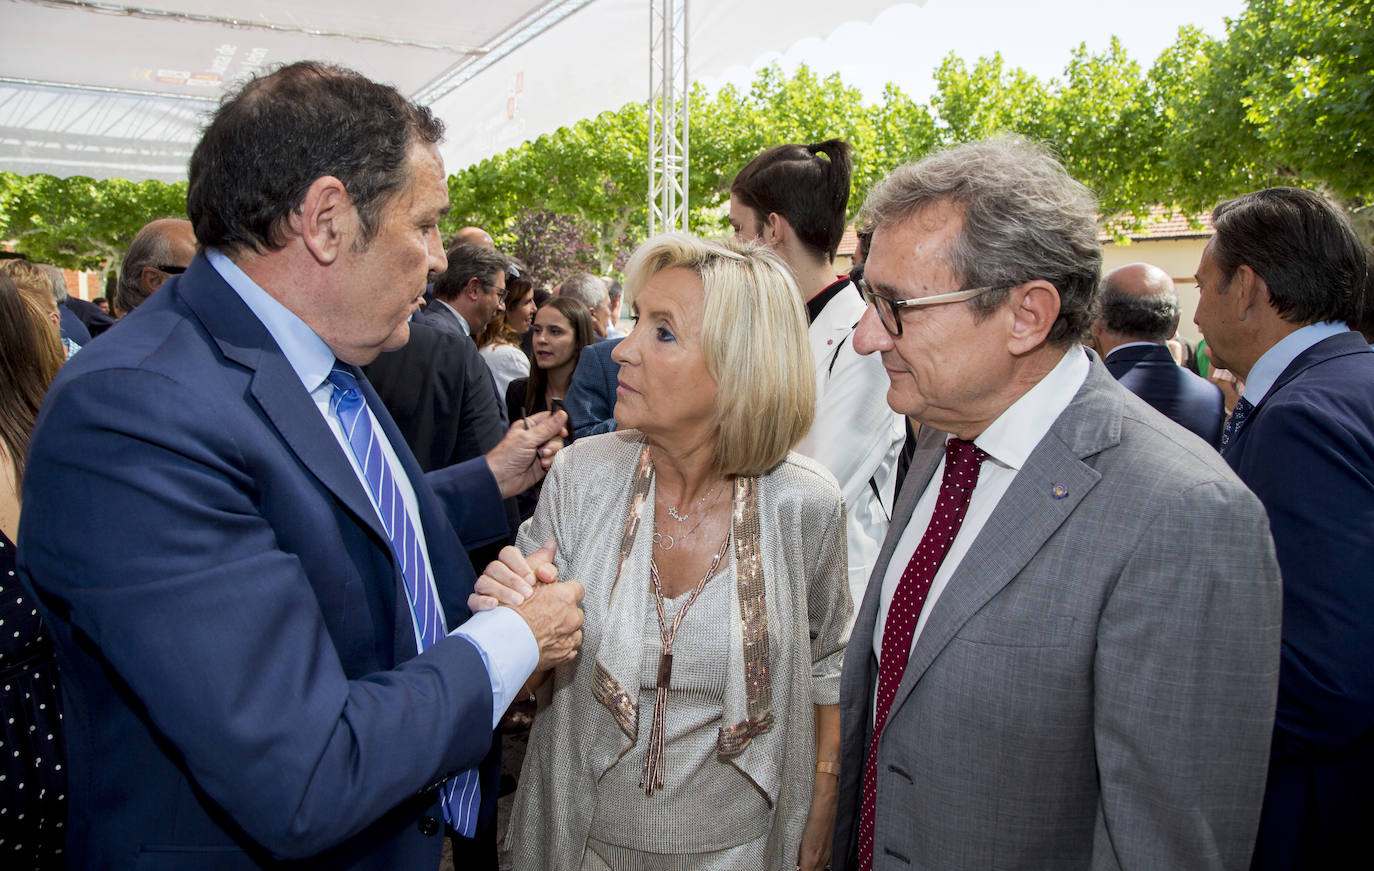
x=753 y=339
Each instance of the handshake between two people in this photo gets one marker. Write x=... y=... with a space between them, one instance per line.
x=526 y=584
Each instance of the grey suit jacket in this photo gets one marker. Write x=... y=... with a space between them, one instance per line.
x=1095 y=687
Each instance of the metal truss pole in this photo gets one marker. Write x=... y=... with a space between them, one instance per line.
x=668 y=114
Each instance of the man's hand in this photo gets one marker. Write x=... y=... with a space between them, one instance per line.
x=554 y=617
x=521 y=458
x=510 y=579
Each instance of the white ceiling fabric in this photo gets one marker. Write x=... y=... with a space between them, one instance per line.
x=90 y=87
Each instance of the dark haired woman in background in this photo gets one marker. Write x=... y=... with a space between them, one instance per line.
x=562 y=328
x=32 y=782
x=793 y=199
x=499 y=343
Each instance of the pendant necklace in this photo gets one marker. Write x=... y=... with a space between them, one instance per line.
x=652 y=778
x=666 y=541
x=683 y=518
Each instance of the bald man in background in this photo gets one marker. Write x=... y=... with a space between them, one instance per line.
x=1139 y=313
x=474 y=235
x=161 y=249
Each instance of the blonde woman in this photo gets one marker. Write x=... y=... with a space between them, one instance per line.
x=697 y=729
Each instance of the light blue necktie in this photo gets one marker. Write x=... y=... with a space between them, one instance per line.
x=460 y=794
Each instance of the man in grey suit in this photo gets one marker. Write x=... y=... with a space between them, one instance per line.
x=1067 y=656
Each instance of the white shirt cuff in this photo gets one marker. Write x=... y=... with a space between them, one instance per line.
x=508 y=650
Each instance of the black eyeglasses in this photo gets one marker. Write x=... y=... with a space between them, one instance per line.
x=171 y=270
x=889 y=309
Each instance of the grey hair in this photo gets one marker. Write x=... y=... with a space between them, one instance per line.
x=59 y=282
x=1024 y=219
x=151 y=247
x=585 y=288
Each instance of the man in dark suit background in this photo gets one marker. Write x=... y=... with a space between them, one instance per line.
x=1138 y=314
x=270 y=656
x=1279 y=281
x=591 y=395
x=438 y=390
x=469 y=293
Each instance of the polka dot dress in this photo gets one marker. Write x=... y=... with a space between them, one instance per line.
x=32 y=772
x=963 y=461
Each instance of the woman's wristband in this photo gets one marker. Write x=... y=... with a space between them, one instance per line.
x=828 y=768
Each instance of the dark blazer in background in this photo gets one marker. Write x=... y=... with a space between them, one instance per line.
x=1307 y=450
x=591 y=396
x=96 y=321
x=438 y=390
x=236 y=669
x=440 y=317
x=1184 y=397
x=71 y=326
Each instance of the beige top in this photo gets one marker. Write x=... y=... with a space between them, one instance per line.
x=675 y=818
x=788 y=605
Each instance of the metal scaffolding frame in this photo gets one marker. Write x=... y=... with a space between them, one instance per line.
x=668 y=114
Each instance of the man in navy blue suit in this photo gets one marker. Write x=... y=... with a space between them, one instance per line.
x=1279 y=281
x=269 y=656
x=1138 y=313
x=591 y=395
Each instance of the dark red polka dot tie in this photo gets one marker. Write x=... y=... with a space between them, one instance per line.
x=963 y=460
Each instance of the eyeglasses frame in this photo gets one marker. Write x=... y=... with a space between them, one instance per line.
x=895 y=305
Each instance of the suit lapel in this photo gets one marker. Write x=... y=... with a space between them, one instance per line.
x=275 y=386
x=1044 y=493
x=1332 y=346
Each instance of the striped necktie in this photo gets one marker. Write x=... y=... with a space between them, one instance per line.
x=459 y=794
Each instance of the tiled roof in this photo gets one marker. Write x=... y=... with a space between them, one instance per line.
x=848 y=242
x=1166 y=223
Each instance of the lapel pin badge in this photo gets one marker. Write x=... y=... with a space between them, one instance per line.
x=1059 y=491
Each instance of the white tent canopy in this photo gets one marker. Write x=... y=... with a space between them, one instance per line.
x=107 y=89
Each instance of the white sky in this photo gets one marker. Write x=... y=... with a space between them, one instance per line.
x=907 y=42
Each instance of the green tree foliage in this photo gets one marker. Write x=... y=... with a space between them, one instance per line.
x=78 y=222
x=1287 y=97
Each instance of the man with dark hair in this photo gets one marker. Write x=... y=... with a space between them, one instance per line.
x=161 y=249
x=261 y=661
x=1067 y=654
x=1279 y=281
x=470 y=292
x=1139 y=314
x=793 y=199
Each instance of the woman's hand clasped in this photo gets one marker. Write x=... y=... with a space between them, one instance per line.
x=510 y=579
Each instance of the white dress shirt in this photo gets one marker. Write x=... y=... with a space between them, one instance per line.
x=1007 y=442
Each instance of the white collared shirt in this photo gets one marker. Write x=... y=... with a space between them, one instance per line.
x=501 y=636
x=1008 y=442
x=1272 y=362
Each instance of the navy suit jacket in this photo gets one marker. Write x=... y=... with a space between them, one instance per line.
x=1191 y=401
x=438 y=390
x=591 y=395
x=240 y=683
x=1307 y=450
x=440 y=318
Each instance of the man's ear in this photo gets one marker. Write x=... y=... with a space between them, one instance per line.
x=326 y=221
x=474 y=288
x=151 y=278
x=1034 y=309
x=1251 y=292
